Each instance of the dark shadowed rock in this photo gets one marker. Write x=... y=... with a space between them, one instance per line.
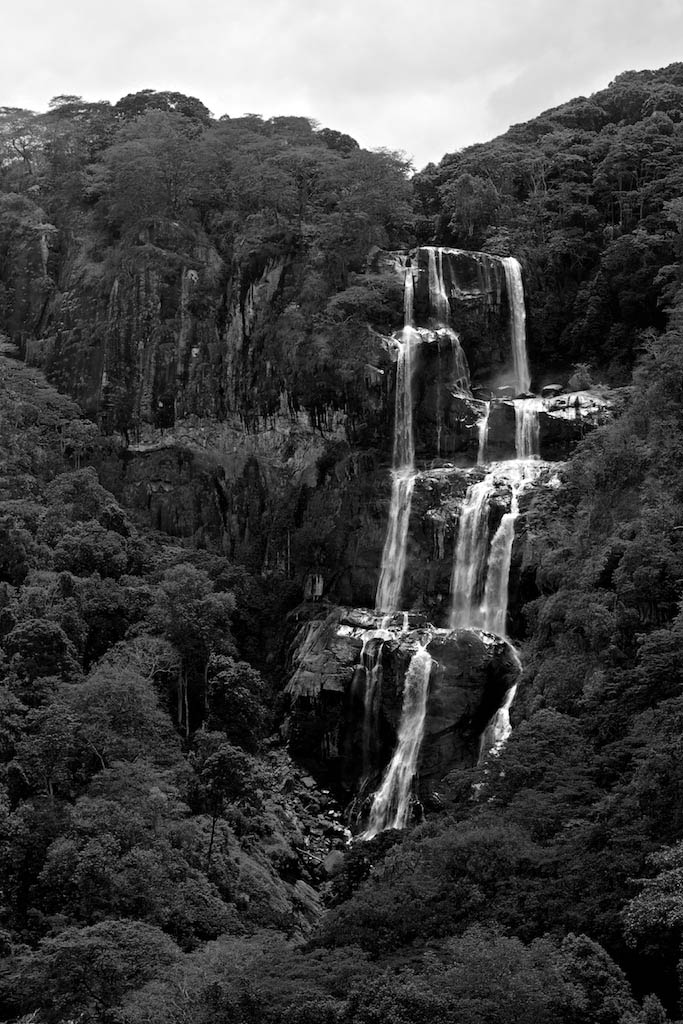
x=329 y=724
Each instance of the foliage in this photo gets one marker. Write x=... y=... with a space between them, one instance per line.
x=86 y=971
x=139 y=833
x=581 y=194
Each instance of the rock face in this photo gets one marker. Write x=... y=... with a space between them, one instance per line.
x=332 y=658
x=474 y=283
x=563 y=420
x=249 y=428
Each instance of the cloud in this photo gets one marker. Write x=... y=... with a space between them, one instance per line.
x=426 y=80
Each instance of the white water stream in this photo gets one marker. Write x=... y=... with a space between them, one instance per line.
x=371 y=662
x=527 y=427
x=515 y=291
x=403 y=473
x=391 y=803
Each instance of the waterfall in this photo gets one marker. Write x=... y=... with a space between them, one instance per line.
x=371 y=662
x=499 y=728
x=496 y=733
x=483 y=434
x=404 y=447
x=438 y=300
x=469 y=565
x=395 y=544
x=403 y=474
x=481 y=565
x=527 y=427
x=460 y=374
x=495 y=606
x=515 y=291
x=391 y=802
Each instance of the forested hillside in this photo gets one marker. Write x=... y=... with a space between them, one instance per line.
x=588 y=195
x=195 y=421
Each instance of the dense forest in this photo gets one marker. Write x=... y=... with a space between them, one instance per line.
x=193 y=396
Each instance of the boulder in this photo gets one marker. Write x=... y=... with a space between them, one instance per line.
x=334 y=726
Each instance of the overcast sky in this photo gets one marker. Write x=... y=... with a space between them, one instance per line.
x=425 y=76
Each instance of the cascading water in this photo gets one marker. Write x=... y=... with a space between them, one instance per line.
x=371 y=661
x=527 y=427
x=438 y=299
x=469 y=565
x=460 y=373
x=495 y=605
x=391 y=803
x=496 y=733
x=481 y=568
x=483 y=433
x=403 y=473
x=394 y=553
x=515 y=291
x=440 y=309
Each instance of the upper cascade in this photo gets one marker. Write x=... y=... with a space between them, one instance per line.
x=481 y=297
x=438 y=298
x=403 y=474
x=515 y=291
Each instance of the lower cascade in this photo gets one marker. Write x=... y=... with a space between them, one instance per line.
x=391 y=701
x=391 y=804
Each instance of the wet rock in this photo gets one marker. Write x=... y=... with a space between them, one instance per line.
x=470 y=674
x=333 y=863
x=306 y=899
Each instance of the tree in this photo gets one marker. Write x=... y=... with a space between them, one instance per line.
x=21 y=141
x=38 y=647
x=44 y=756
x=224 y=774
x=196 y=619
x=87 y=971
x=126 y=861
x=236 y=701
x=87 y=547
x=137 y=103
x=150 y=170
x=471 y=203
x=119 y=718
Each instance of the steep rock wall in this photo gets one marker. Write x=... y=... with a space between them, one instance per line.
x=263 y=431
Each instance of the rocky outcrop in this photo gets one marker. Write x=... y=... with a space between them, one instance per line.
x=474 y=283
x=328 y=723
x=563 y=420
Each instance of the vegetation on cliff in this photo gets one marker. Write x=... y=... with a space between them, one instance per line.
x=125 y=225
x=586 y=196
